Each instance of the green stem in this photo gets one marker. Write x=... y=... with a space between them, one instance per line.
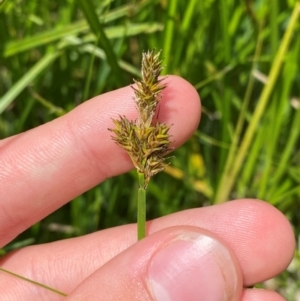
x=141 y=208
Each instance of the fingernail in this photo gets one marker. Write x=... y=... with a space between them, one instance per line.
x=192 y=267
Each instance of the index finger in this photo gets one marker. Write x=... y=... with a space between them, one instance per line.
x=44 y=168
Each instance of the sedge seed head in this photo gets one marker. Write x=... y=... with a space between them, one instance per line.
x=146 y=141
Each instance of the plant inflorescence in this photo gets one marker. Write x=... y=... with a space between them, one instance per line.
x=145 y=139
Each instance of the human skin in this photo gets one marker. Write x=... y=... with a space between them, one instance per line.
x=249 y=241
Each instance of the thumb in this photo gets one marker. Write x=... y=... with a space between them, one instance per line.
x=175 y=264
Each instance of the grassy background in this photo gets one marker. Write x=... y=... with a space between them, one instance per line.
x=241 y=56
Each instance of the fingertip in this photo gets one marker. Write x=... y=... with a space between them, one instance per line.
x=195 y=264
x=272 y=230
x=181 y=106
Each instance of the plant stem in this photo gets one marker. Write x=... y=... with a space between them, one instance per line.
x=141 y=207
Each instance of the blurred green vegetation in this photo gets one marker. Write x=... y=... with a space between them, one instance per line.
x=241 y=56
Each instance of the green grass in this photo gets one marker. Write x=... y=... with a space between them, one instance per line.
x=248 y=143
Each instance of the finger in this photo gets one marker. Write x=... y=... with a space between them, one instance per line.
x=46 y=167
x=258 y=234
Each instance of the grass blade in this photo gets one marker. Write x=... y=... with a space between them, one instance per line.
x=52 y=35
x=33 y=282
x=169 y=34
x=19 y=86
x=92 y=18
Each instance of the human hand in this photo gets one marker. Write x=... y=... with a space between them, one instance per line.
x=208 y=254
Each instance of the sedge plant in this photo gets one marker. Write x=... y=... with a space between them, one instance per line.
x=145 y=139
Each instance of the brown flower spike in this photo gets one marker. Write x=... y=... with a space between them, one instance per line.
x=145 y=140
